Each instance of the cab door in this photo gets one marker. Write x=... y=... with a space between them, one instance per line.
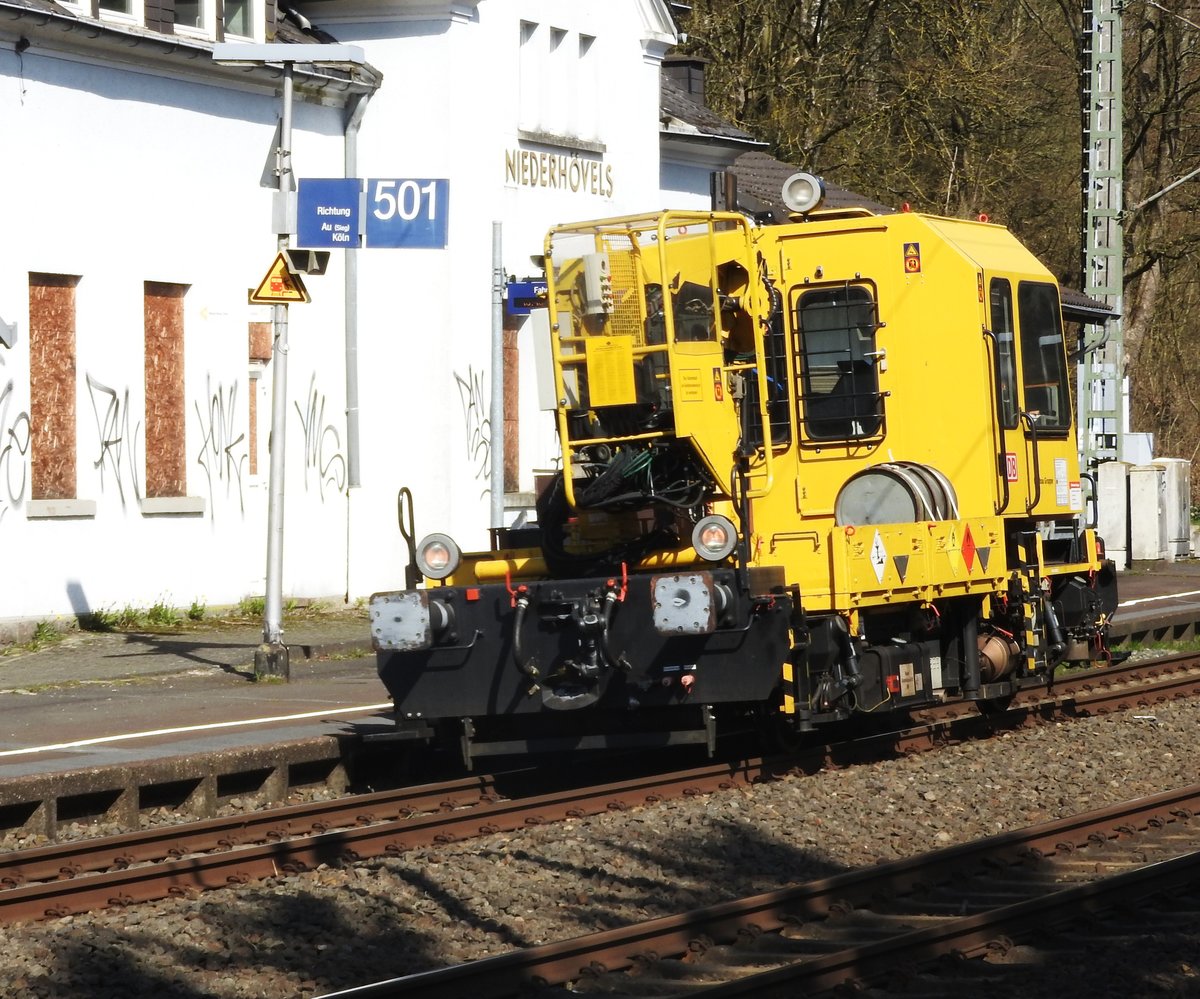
x=1037 y=462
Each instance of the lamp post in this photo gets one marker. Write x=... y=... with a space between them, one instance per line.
x=271 y=657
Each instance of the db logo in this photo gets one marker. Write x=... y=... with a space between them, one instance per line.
x=1010 y=466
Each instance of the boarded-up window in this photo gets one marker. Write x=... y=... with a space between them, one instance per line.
x=165 y=416
x=512 y=395
x=261 y=339
x=253 y=403
x=52 y=385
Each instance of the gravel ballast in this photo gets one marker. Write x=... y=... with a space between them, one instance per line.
x=304 y=935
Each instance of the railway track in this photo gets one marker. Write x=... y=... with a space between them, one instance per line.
x=855 y=930
x=145 y=865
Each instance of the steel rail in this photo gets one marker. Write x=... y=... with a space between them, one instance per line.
x=173 y=840
x=122 y=869
x=618 y=950
x=130 y=883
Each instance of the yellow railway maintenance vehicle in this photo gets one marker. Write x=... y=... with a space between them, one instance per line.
x=809 y=471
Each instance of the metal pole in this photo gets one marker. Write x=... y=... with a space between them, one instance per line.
x=358 y=108
x=497 y=414
x=271 y=659
x=353 y=461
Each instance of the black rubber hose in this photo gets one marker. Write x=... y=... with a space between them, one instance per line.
x=610 y=603
x=526 y=666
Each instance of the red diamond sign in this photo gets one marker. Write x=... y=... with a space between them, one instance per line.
x=968 y=548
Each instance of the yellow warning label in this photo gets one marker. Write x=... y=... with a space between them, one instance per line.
x=912 y=258
x=610 y=371
x=691 y=385
x=280 y=286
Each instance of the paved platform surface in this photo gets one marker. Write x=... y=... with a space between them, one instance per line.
x=102 y=699
x=98 y=699
x=1157 y=588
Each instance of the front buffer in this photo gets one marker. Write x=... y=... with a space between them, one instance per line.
x=581 y=663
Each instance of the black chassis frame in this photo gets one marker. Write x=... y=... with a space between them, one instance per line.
x=586 y=647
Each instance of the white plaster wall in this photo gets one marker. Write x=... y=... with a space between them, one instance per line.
x=425 y=376
x=123 y=177
x=686 y=185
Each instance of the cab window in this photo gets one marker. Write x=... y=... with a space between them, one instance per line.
x=1003 y=329
x=1043 y=357
x=839 y=382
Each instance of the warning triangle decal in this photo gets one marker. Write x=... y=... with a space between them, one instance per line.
x=280 y=286
x=983 y=554
x=901 y=564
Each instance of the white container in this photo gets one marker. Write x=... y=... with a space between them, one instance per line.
x=1178 y=514
x=1112 y=509
x=1148 y=512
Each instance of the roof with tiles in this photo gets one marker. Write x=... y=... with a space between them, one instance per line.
x=760 y=178
x=680 y=112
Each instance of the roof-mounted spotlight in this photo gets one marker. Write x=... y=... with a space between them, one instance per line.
x=803 y=192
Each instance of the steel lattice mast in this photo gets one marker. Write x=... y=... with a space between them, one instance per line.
x=1101 y=394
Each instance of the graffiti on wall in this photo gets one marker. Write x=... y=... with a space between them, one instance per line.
x=117 y=456
x=478 y=425
x=322 y=444
x=14 y=446
x=223 y=451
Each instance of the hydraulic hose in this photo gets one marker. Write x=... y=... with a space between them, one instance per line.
x=622 y=663
x=528 y=666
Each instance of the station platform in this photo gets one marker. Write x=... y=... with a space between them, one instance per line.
x=98 y=700
x=1157 y=601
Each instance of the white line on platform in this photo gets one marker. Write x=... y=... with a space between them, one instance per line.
x=193 y=728
x=1165 y=596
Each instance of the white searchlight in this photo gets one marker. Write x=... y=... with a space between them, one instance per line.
x=803 y=192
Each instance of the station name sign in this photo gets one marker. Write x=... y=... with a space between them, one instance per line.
x=348 y=213
x=558 y=171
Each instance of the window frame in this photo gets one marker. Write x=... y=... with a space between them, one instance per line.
x=1008 y=410
x=1039 y=351
x=873 y=425
x=210 y=30
x=135 y=15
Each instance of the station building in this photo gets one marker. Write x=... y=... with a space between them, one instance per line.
x=141 y=212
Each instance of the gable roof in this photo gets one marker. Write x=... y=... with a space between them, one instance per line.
x=681 y=114
x=760 y=178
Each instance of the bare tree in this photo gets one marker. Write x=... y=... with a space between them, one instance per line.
x=958 y=106
x=965 y=107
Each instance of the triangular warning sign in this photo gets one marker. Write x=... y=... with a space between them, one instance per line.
x=901 y=564
x=280 y=286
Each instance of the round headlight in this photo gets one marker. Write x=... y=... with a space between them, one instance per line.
x=714 y=537
x=802 y=192
x=438 y=556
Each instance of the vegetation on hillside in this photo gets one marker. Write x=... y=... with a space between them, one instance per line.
x=962 y=107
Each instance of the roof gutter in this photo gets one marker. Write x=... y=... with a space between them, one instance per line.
x=71 y=34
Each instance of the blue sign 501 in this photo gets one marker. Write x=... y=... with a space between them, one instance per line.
x=407 y=213
x=401 y=213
